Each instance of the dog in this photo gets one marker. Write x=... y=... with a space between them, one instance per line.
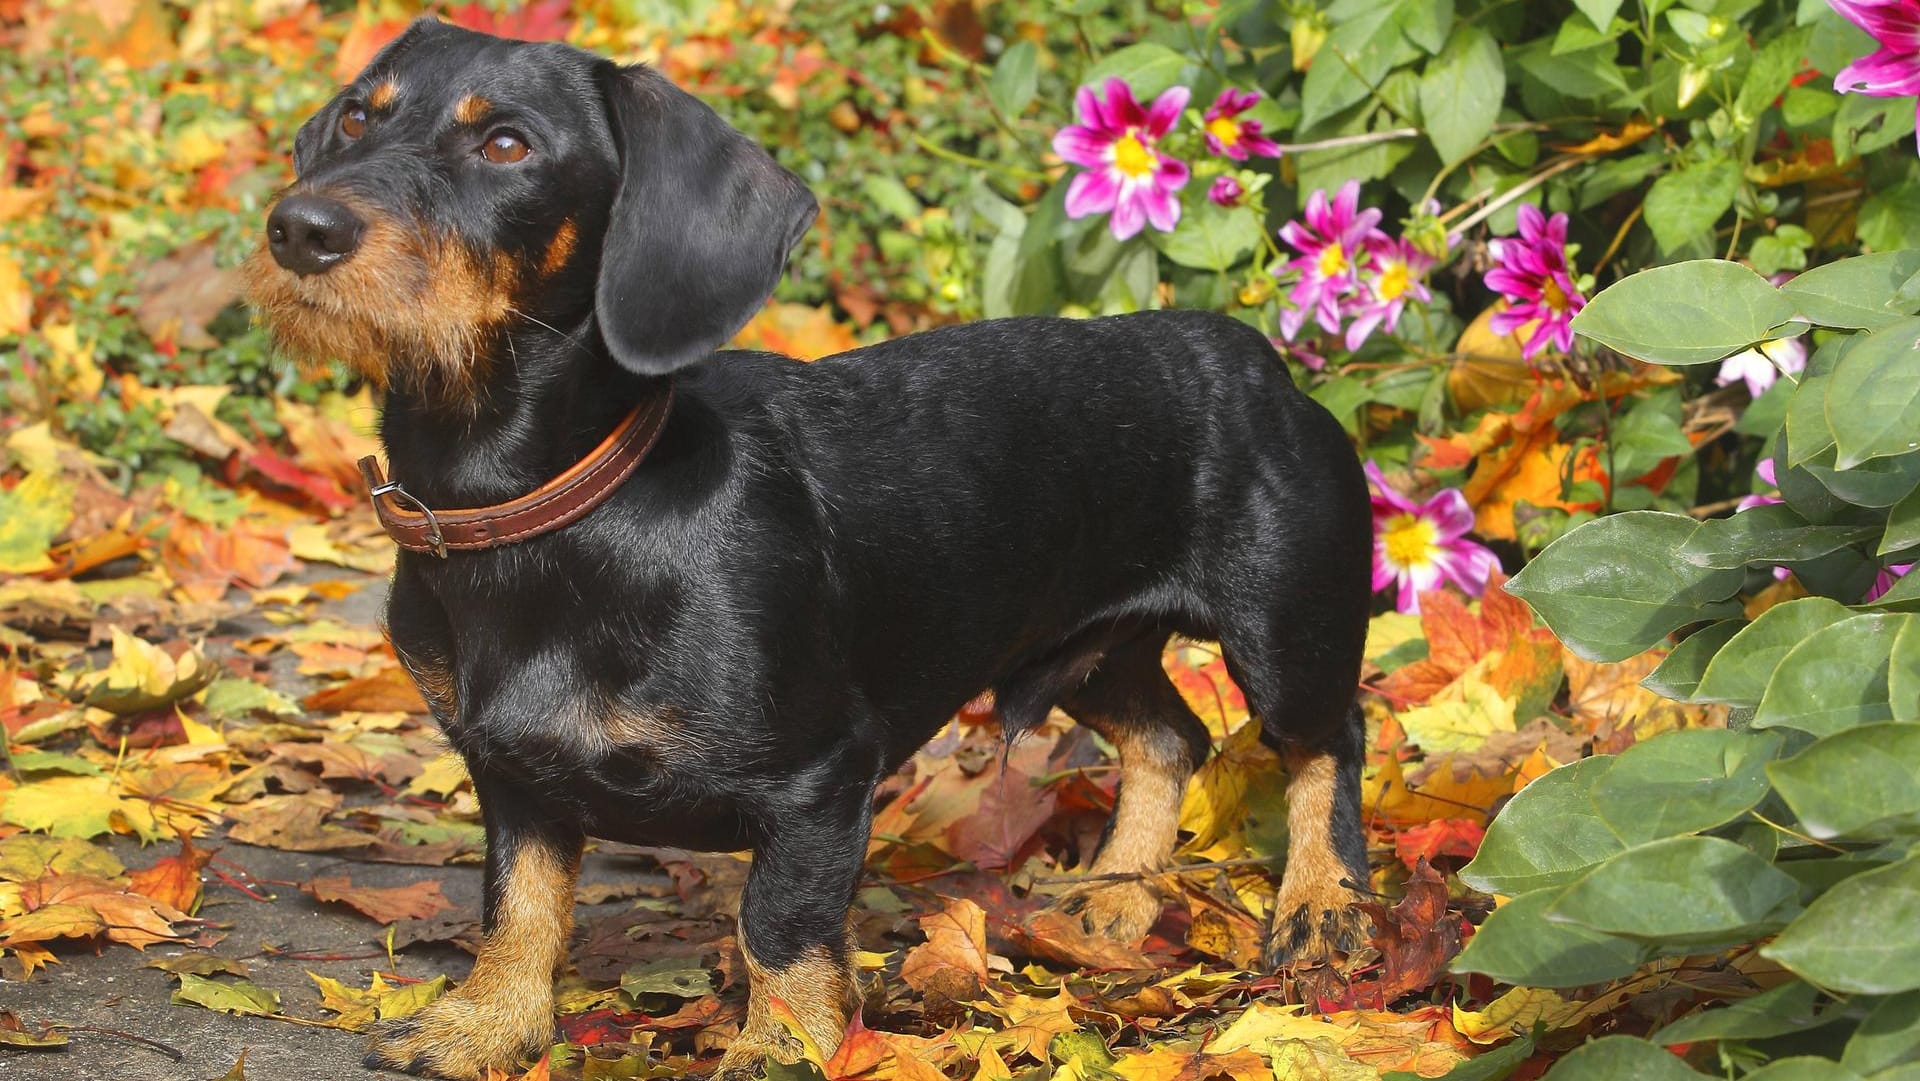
x=785 y=577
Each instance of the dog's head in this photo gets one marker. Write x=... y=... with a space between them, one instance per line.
x=465 y=183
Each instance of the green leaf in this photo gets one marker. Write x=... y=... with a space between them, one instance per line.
x=1879 y=482
x=1210 y=237
x=1903 y=525
x=1770 y=533
x=1616 y=1058
x=1358 y=53
x=229 y=699
x=1148 y=68
x=1858 y=936
x=667 y=976
x=1494 y=1065
x=1738 y=674
x=1873 y=401
x=1863 y=124
x=1905 y=592
x=1863 y=782
x=1854 y=294
x=1889 y=219
x=1547 y=835
x=1678 y=676
x=1903 y=672
x=1599 y=12
x=1461 y=92
x=1684 y=782
x=1015 y=78
x=1835 y=679
x=1786 y=1009
x=1685 y=313
x=1616 y=586
x=890 y=195
x=1890 y=1036
x=1645 y=437
x=1802 y=1068
x=240 y=996
x=1682 y=891
x=1518 y=944
x=1682 y=205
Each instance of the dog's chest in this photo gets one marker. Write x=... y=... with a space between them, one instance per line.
x=631 y=775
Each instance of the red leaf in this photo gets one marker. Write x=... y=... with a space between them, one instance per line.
x=1444 y=837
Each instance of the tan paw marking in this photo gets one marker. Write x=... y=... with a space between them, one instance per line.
x=461 y=1037
x=1121 y=911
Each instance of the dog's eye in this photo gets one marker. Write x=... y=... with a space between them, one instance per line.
x=504 y=147
x=353 y=121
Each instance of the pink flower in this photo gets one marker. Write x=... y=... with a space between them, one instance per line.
x=1884 y=580
x=1420 y=545
x=1229 y=135
x=1759 y=366
x=1331 y=243
x=1534 y=277
x=1226 y=190
x=1764 y=470
x=1125 y=175
x=1399 y=269
x=1894 y=70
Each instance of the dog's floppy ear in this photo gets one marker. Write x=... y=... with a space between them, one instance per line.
x=699 y=231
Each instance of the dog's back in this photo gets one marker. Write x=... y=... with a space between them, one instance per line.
x=1015 y=482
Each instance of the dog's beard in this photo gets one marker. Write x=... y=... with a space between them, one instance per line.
x=404 y=310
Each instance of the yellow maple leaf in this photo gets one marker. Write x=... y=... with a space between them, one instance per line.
x=142 y=676
x=1461 y=716
x=31 y=516
x=1215 y=804
x=1264 y=1022
x=16 y=298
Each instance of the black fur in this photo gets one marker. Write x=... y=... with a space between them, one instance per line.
x=818 y=563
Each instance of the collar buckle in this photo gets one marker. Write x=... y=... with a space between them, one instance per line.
x=393 y=488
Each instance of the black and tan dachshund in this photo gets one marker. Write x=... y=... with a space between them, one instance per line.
x=811 y=567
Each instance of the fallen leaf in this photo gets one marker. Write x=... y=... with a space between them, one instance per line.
x=382 y=904
x=951 y=965
x=175 y=880
x=1416 y=938
x=389 y=690
x=238 y=997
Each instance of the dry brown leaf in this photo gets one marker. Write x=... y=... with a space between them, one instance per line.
x=382 y=904
x=951 y=965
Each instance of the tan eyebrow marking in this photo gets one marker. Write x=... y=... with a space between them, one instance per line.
x=472 y=109
x=383 y=95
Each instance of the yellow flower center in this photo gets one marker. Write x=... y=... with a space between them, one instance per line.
x=1224 y=128
x=1409 y=540
x=1394 y=281
x=1333 y=260
x=1555 y=296
x=1131 y=156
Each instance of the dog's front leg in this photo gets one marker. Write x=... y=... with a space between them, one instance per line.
x=795 y=933
x=502 y=1013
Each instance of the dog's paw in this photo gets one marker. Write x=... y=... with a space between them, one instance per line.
x=460 y=1039
x=747 y=1056
x=1121 y=911
x=1313 y=930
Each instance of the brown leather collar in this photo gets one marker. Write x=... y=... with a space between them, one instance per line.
x=417 y=528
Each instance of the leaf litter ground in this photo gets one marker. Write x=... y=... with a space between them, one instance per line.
x=227 y=823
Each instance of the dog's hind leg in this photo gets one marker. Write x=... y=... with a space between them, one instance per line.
x=502 y=1012
x=1129 y=701
x=1304 y=699
x=794 y=924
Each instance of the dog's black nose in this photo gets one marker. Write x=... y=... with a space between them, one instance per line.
x=310 y=234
